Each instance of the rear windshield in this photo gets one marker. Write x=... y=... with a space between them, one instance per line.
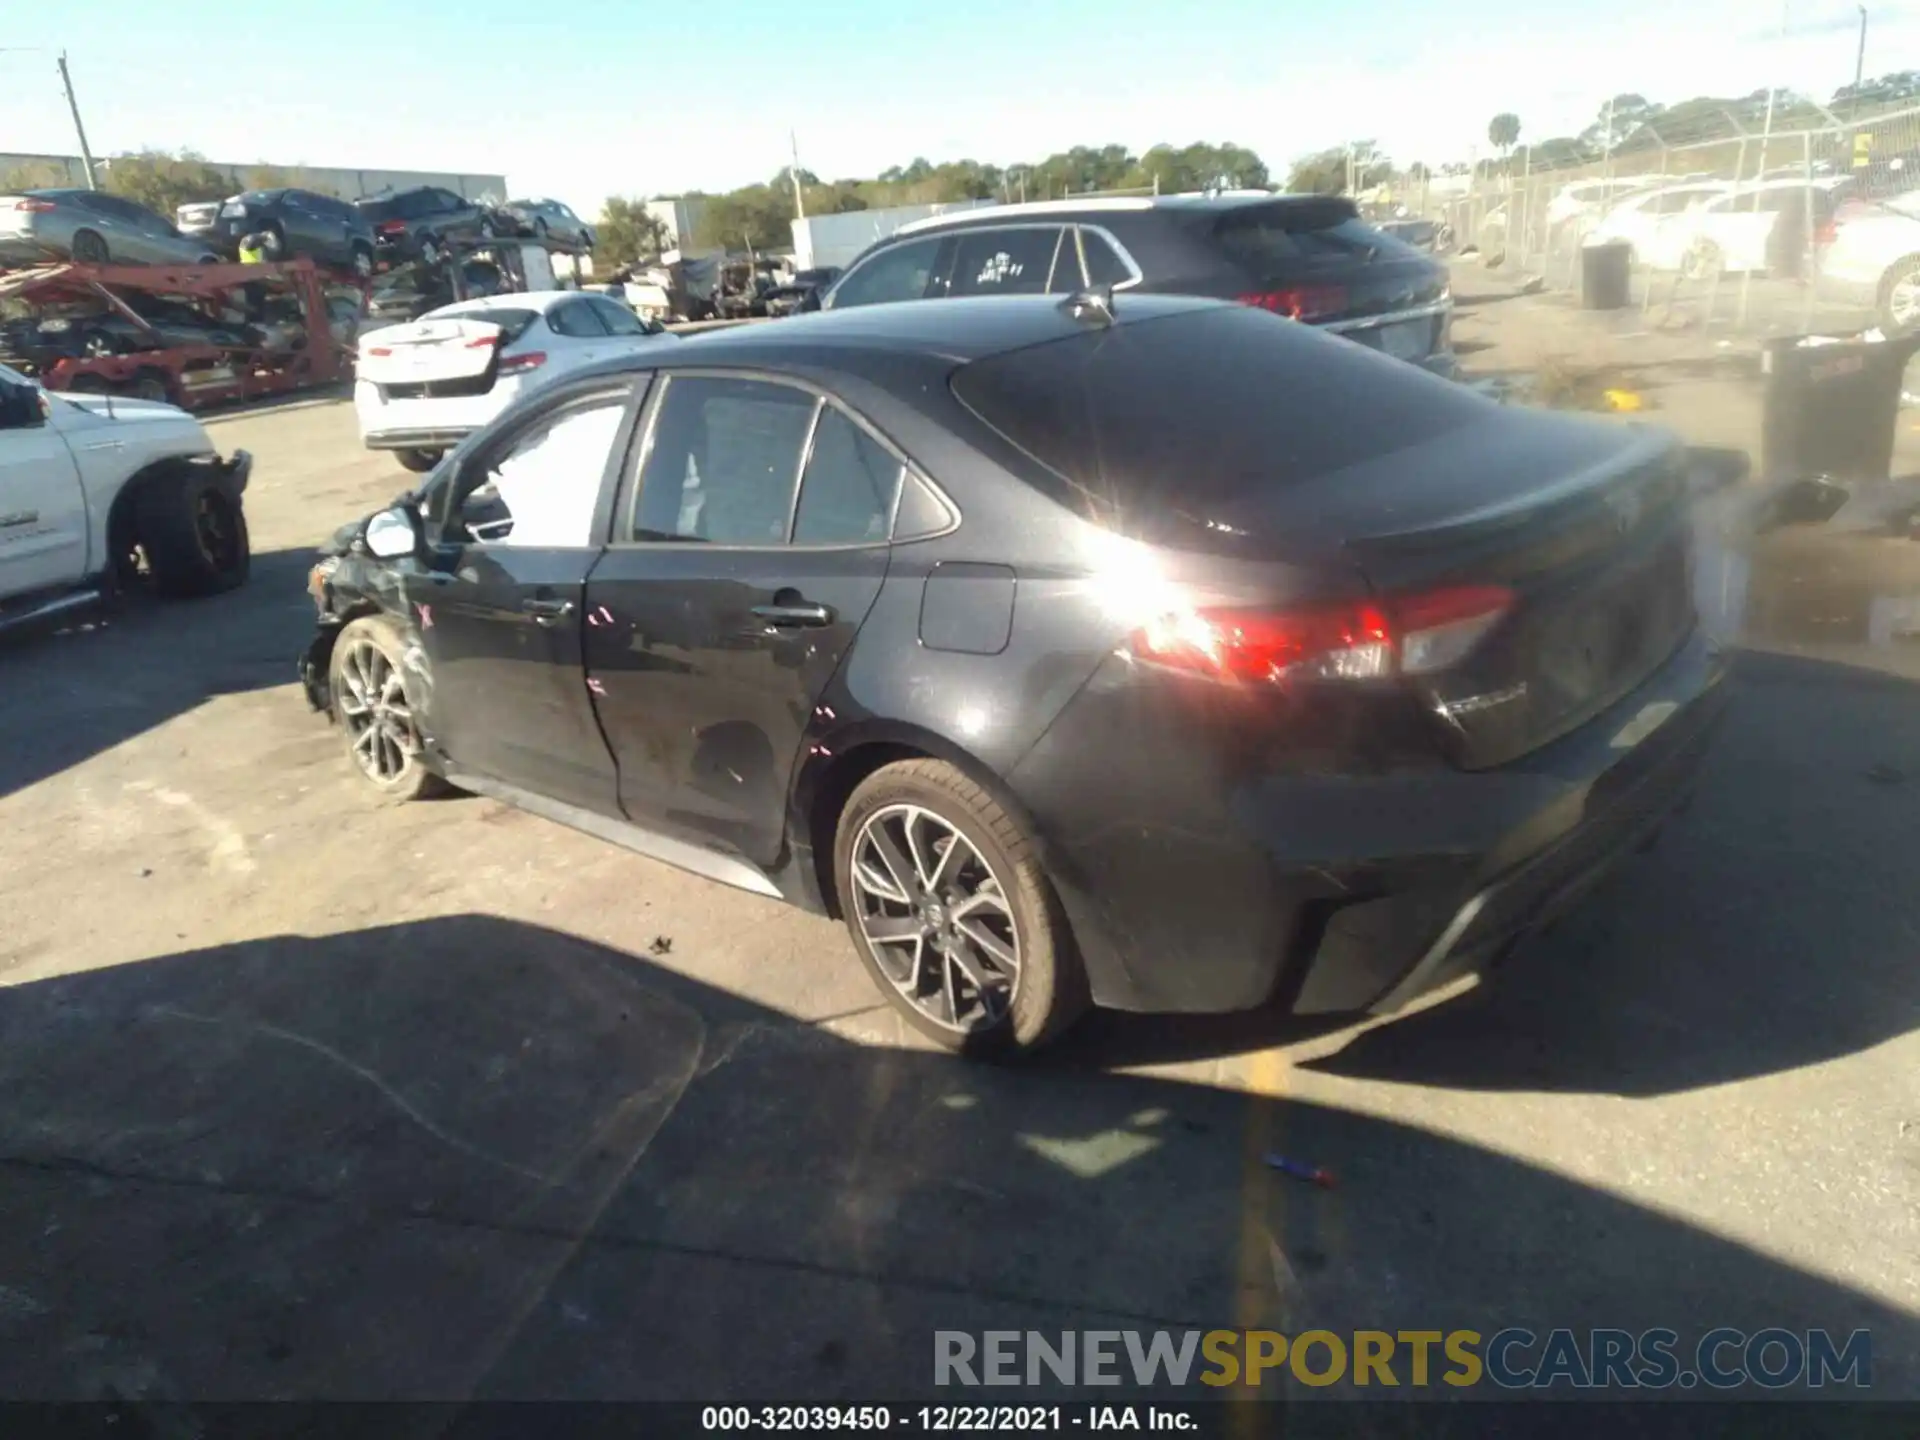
x=1149 y=426
x=1271 y=242
x=513 y=323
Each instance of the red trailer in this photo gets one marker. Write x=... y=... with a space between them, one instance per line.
x=192 y=335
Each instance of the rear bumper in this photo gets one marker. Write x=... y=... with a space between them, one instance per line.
x=1344 y=893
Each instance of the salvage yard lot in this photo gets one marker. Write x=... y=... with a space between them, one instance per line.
x=302 y=1095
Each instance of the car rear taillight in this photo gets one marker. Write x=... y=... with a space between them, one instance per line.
x=378 y=351
x=1826 y=232
x=514 y=364
x=1402 y=635
x=35 y=207
x=1312 y=302
x=484 y=342
x=391 y=227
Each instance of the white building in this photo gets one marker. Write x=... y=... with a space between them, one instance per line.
x=822 y=240
x=680 y=219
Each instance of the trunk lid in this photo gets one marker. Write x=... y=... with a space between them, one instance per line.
x=1585 y=522
x=424 y=352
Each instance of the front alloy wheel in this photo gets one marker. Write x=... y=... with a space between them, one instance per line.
x=371 y=700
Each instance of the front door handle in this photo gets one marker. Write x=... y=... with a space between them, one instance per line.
x=547 y=611
x=799 y=613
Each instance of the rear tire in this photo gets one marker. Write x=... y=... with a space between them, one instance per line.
x=193 y=533
x=429 y=250
x=418 y=461
x=88 y=248
x=970 y=911
x=1900 y=297
x=366 y=678
x=273 y=242
x=362 y=262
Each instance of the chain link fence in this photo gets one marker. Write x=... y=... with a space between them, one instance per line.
x=1759 y=230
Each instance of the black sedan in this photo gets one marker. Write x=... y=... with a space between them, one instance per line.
x=1144 y=651
x=290 y=222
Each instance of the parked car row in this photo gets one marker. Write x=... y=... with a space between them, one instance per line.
x=93 y=227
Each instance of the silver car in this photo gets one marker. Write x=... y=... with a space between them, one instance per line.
x=92 y=227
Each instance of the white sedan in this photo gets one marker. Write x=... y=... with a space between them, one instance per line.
x=423 y=387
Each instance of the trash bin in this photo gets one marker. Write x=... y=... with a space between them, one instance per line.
x=1831 y=405
x=1606 y=276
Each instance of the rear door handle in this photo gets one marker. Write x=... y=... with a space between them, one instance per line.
x=546 y=612
x=802 y=613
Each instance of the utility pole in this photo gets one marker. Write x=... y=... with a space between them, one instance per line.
x=793 y=174
x=86 y=155
x=1860 y=57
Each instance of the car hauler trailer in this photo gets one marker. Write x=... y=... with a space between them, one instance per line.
x=191 y=335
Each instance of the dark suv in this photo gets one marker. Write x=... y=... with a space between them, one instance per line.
x=1307 y=257
x=416 y=224
x=295 y=222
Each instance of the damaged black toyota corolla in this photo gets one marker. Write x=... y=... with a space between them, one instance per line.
x=1136 y=651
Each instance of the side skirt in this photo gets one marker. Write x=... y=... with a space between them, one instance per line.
x=708 y=864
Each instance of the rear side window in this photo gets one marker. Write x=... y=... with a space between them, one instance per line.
x=577 y=319
x=846 y=493
x=1271 y=243
x=1003 y=262
x=898 y=273
x=1149 y=426
x=1104 y=265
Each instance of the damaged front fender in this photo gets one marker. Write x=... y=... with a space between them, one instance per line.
x=315 y=663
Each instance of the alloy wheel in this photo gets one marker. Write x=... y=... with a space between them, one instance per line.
x=936 y=918
x=1903 y=301
x=373 y=706
x=214 y=529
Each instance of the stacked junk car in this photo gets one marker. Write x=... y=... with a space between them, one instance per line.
x=116 y=321
x=258 y=295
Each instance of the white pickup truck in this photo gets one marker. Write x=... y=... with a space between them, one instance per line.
x=99 y=492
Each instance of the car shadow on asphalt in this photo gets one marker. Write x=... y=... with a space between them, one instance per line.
x=472 y=1158
x=101 y=676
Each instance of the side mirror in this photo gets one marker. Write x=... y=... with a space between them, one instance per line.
x=394 y=534
x=21 y=407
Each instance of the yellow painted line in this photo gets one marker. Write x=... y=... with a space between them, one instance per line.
x=1266 y=1082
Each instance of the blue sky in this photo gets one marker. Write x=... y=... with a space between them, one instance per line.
x=587 y=97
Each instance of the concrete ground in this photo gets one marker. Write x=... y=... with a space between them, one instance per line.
x=306 y=1096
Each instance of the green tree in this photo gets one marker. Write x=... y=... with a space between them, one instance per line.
x=163 y=181
x=1504 y=131
x=1625 y=114
x=626 y=233
x=1326 y=172
x=37 y=176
